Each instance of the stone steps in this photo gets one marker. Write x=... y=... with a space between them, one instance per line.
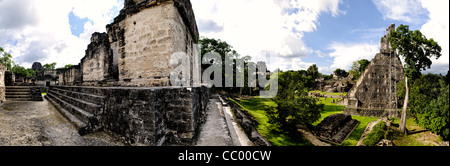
x=72 y=118
x=79 y=107
x=23 y=93
x=78 y=102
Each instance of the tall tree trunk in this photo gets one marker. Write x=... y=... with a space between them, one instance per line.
x=405 y=105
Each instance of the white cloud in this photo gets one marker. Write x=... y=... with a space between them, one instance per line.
x=265 y=25
x=400 y=10
x=437 y=28
x=46 y=35
x=346 y=53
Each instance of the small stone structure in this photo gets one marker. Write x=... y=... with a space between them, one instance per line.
x=337 y=84
x=97 y=65
x=336 y=128
x=375 y=92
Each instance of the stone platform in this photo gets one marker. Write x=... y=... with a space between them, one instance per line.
x=147 y=116
x=336 y=128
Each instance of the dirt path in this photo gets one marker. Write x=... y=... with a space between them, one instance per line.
x=40 y=124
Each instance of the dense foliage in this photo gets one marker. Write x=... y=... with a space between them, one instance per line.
x=226 y=52
x=429 y=102
x=6 y=59
x=340 y=73
x=294 y=106
x=375 y=136
x=358 y=68
x=415 y=48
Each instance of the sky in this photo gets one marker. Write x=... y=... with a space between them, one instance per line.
x=329 y=33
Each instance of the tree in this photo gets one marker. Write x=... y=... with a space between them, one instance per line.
x=429 y=103
x=20 y=71
x=50 y=66
x=227 y=53
x=313 y=71
x=340 y=73
x=6 y=59
x=294 y=104
x=417 y=50
x=358 y=68
x=68 y=66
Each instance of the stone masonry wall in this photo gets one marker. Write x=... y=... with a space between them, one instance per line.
x=145 y=35
x=2 y=82
x=155 y=116
x=72 y=76
x=97 y=65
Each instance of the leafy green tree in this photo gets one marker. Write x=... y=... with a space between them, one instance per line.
x=6 y=59
x=20 y=71
x=417 y=50
x=31 y=72
x=313 y=71
x=358 y=68
x=294 y=104
x=228 y=54
x=68 y=66
x=340 y=73
x=50 y=66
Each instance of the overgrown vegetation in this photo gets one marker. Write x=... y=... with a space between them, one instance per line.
x=429 y=102
x=375 y=136
x=294 y=106
x=256 y=108
x=358 y=68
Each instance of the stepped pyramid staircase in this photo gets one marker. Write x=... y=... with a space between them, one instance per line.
x=80 y=105
x=23 y=93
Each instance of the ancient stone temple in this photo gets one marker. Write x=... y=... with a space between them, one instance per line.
x=375 y=92
x=145 y=35
x=122 y=84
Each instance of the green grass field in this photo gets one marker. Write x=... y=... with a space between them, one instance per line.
x=256 y=106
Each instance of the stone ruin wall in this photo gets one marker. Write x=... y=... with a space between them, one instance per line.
x=97 y=65
x=145 y=44
x=137 y=47
x=134 y=54
x=3 y=70
x=375 y=92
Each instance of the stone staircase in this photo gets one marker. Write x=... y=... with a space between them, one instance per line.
x=80 y=105
x=23 y=93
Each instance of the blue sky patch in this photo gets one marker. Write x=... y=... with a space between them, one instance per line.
x=77 y=24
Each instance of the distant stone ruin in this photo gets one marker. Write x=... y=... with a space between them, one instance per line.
x=122 y=84
x=375 y=92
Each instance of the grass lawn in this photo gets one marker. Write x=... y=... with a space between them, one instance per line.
x=255 y=107
x=417 y=136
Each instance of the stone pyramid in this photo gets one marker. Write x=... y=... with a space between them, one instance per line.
x=375 y=92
